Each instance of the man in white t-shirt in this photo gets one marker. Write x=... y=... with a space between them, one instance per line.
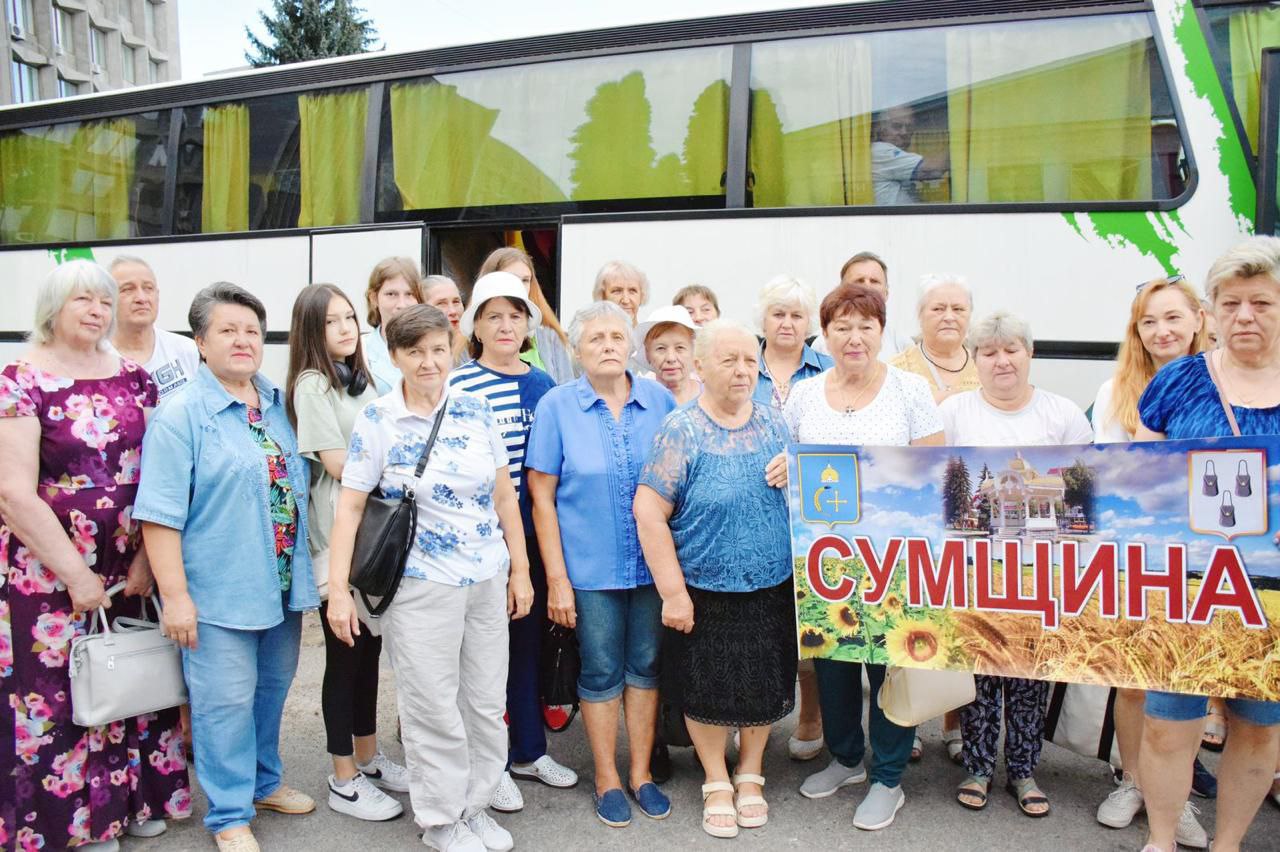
x=895 y=170
x=1008 y=410
x=869 y=269
x=171 y=359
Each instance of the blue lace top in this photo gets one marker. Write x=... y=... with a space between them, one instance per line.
x=730 y=528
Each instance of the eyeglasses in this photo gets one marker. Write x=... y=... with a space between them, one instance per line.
x=1171 y=280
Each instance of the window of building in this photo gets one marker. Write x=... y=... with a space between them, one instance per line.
x=22 y=15
x=651 y=126
x=149 y=10
x=129 y=64
x=155 y=71
x=63 y=29
x=1068 y=110
x=67 y=88
x=84 y=180
x=98 y=47
x=25 y=80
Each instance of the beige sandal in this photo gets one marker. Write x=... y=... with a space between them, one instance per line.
x=708 y=811
x=745 y=801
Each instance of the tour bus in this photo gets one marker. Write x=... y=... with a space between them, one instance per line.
x=1057 y=153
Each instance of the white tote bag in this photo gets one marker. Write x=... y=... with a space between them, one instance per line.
x=911 y=697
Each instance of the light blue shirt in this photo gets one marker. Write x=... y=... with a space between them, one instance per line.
x=376 y=356
x=729 y=526
x=205 y=475
x=812 y=363
x=598 y=460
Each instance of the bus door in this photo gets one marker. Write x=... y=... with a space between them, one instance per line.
x=459 y=250
x=1267 y=220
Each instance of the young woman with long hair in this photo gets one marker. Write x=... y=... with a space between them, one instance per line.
x=328 y=385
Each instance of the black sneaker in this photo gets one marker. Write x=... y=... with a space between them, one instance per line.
x=660 y=764
x=1203 y=784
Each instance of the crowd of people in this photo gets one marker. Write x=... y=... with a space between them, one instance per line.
x=624 y=478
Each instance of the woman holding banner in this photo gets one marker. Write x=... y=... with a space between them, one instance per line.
x=859 y=401
x=1234 y=390
x=1166 y=322
x=1007 y=410
x=716 y=538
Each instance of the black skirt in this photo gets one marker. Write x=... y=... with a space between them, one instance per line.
x=738 y=665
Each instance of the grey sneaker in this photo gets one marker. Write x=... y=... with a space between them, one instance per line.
x=824 y=783
x=1120 y=807
x=1190 y=832
x=879 y=807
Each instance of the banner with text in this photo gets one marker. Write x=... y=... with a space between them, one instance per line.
x=1151 y=565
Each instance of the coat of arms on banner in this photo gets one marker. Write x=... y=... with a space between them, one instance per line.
x=1227 y=492
x=829 y=488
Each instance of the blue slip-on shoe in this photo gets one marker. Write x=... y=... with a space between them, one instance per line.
x=652 y=801
x=612 y=808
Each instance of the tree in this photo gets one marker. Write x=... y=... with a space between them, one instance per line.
x=706 y=137
x=298 y=30
x=613 y=152
x=985 y=474
x=956 y=488
x=1079 y=488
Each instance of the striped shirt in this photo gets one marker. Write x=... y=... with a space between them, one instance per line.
x=513 y=399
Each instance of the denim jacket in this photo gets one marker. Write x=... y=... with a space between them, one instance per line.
x=204 y=475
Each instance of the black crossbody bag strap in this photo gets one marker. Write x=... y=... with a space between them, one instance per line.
x=410 y=499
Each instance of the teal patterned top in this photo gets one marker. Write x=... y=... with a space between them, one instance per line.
x=284 y=507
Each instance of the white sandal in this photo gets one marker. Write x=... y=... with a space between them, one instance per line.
x=708 y=811
x=741 y=801
x=954 y=741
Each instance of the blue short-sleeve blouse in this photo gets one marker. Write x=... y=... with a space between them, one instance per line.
x=1182 y=401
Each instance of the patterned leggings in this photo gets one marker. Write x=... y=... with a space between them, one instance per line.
x=1024 y=708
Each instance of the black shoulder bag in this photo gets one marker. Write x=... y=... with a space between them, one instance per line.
x=385 y=536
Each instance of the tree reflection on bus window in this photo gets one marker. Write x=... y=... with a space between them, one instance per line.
x=1042 y=111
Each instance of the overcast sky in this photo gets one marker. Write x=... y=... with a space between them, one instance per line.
x=213 y=39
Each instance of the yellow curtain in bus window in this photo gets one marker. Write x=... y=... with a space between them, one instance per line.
x=68 y=182
x=225 y=205
x=1251 y=31
x=1040 y=113
x=332 y=157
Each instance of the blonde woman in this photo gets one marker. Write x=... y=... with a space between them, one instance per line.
x=1166 y=322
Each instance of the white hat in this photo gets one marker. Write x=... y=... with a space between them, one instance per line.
x=495 y=285
x=677 y=314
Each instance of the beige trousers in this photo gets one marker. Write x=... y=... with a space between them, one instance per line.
x=448 y=646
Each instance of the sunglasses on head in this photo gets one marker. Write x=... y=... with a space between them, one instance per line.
x=1172 y=279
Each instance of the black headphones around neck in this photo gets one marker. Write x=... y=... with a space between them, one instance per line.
x=356 y=381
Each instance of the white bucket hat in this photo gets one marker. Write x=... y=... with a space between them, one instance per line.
x=495 y=285
x=677 y=314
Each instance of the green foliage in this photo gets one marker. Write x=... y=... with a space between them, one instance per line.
x=1079 y=480
x=956 y=490
x=706 y=139
x=765 y=156
x=618 y=123
x=299 y=30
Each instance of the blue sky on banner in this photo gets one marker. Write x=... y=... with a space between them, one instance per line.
x=1142 y=495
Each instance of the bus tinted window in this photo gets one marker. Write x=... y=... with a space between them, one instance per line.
x=1041 y=111
x=1240 y=34
x=84 y=180
x=277 y=162
x=618 y=127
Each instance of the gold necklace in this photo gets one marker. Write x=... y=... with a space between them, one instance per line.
x=852 y=407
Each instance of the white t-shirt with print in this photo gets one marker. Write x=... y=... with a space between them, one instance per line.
x=893 y=173
x=173 y=362
x=971 y=421
x=458 y=540
x=901 y=412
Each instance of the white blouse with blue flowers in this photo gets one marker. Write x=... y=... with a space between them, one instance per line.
x=458 y=541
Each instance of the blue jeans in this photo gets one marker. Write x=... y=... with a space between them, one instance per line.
x=1178 y=707
x=238 y=680
x=619 y=634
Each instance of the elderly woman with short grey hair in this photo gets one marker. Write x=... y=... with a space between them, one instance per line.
x=72 y=416
x=944 y=309
x=223 y=506
x=588 y=445
x=1007 y=410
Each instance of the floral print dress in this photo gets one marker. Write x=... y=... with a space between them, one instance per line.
x=62 y=785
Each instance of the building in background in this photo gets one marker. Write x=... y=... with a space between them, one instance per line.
x=60 y=48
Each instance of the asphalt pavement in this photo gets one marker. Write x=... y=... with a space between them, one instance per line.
x=563 y=820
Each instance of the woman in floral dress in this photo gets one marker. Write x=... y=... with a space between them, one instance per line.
x=72 y=416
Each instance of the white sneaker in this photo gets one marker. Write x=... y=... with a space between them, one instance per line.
x=507 y=798
x=1190 y=832
x=386 y=773
x=360 y=799
x=455 y=837
x=1121 y=805
x=804 y=749
x=494 y=837
x=546 y=770
x=146 y=828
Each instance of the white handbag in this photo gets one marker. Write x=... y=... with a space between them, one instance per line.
x=126 y=671
x=911 y=697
